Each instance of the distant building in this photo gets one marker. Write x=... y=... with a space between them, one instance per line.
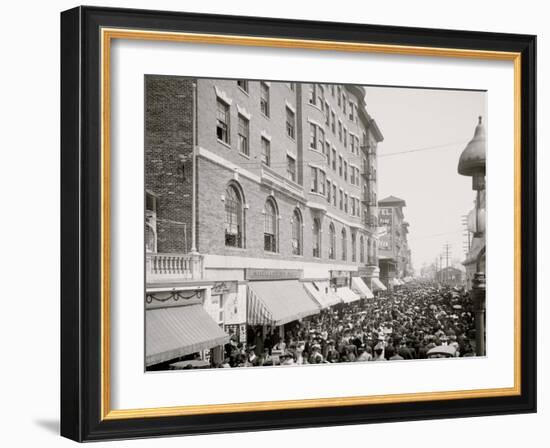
x=450 y=276
x=394 y=255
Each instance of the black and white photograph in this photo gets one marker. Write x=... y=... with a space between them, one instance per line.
x=300 y=223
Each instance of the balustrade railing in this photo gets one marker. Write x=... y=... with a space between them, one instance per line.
x=172 y=267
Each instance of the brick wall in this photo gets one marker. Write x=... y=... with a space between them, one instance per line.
x=168 y=141
x=212 y=183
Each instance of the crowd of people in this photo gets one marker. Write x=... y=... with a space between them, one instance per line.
x=406 y=323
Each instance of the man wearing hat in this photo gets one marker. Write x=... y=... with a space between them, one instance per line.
x=379 y=352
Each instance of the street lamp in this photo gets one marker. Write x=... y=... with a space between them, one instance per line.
x=472 y=163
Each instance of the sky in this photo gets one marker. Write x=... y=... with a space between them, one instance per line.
x=435 y=125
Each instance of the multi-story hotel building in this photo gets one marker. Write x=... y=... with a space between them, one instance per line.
x=395 y=255
x=260 y=207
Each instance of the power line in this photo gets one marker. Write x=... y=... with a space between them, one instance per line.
x=379 y=155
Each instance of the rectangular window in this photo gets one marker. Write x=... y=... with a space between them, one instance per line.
x=352 y=143
x=150 y=202
x=321 y=139
x=353 y=206
x=329 y=192
x=340 y=166
x=327 y=153
x=266 y=151
x=244 y=146
x=264 y=98
x=346 y=171
x=351 y=108
x=322 y=182
x=340 y=130
x=312 y=136
x=312 y=94
x=290 y=123
x=346 y=202
x=333 y=122
x=341 y=200
x=345 y=138
x=222 y=121
x=339 y=96
x=243 y=84
x=352 y=175
x=291 y=168
x=334 y=197
x=321 y=97
x=327 y=115
x=334 y=159
x=332 y=89
x=314 y=180
x=344 y=102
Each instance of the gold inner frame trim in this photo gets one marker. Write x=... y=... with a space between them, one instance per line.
x=107 y=35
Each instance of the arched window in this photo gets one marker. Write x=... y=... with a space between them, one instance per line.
x=270 y=226
x=353 y=246
x=344 y=245
x=332 y=242
x=369 y=251
x=234 y=217
x=297 y=233
x=316 y=238
x=362 y=249
x=150 y=239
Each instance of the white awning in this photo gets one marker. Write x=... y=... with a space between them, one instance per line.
x=322 y=293
x=359 y=286
x=377 y=284
x=278 y=302
x=347 y=295
x=178 y=331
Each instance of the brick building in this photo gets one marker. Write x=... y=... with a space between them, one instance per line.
x=282 y=187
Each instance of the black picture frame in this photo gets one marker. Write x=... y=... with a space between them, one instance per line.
x=81 y=210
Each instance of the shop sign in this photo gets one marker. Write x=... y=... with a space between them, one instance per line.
x=273 y=274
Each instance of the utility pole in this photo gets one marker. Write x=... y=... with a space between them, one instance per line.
x=440 y=268
x=447 y=248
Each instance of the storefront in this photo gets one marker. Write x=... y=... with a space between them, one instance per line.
x=341 y=281
x=360 y=287
x=178 y=327
x=276 y=297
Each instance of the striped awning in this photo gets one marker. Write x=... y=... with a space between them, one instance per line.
x=359 y=286
x=322 y=293
x=377 y=284
x=177 y=331
x=278 y=302
x=347 y=295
